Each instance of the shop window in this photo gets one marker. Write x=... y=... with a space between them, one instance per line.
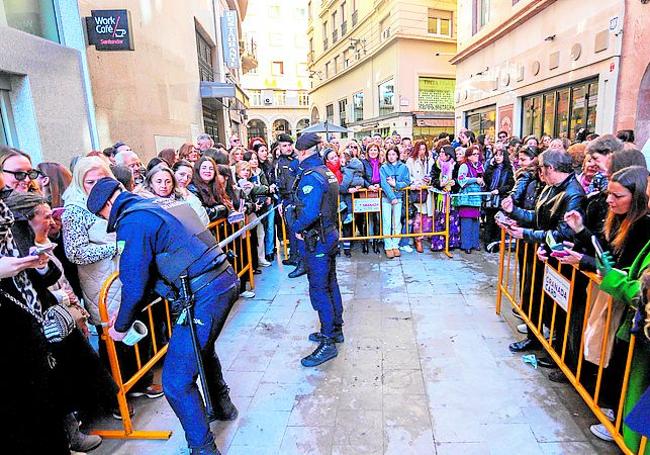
x=36 y=17
x=561 y=112
x=549 y=114
x=482 y=121
x=386 y=97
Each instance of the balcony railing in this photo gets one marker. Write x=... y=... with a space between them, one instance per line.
x=355 y=17
x=344 y=28
x=335 y=36
x=386 y=109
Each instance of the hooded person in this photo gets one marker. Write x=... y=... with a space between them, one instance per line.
x=159 y=250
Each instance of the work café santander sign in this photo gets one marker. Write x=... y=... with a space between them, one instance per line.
x=110 y=30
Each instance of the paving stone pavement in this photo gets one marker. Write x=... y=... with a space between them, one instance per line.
x=425 y=369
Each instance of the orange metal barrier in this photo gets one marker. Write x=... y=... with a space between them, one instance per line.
x=241 y=247
x=368 y=204
x=519 y=269
x=126 y=384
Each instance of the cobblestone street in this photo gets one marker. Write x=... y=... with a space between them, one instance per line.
x=425 y=369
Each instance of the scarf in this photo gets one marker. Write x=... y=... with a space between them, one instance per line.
x=336 y=170
x=496 y=177
x=375 y=178
x=474 y=170
x=8 y=248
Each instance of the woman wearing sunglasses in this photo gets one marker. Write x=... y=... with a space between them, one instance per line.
x=18 y=172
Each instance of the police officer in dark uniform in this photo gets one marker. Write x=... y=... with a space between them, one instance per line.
x=316 y=199
x=157 y=248
x=286 y=170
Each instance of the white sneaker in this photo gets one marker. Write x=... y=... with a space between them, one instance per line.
x=601 y=432
x=247 y=294
x=406 y=248
x=263 y=263
x=522 y=328
x=609 y=413
x=546 y=332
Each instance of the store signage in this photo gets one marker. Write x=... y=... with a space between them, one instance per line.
x=366 y=205
x=436 y=94
x=557 y=287
x=110 y=30
x=230 y=39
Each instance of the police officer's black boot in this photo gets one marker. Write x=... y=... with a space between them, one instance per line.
x=300 y=270
x=210 y=449
x=325 y=351
x=364 y=247
x=224 y=409
x=337 y=336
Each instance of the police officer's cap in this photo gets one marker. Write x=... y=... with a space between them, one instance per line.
x=285 y=138
x=101 y=193
x=307 y=141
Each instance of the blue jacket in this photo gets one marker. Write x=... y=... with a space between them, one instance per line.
x=142 y=235
x=402 y=177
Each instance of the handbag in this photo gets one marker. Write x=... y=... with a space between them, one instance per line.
x=596 y=325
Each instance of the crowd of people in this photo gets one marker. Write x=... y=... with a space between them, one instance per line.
x=55 y=253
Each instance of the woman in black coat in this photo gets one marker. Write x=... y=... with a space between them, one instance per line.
x=499 y=180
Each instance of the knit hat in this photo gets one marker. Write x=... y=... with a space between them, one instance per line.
x=101 y=193
x=22 y=205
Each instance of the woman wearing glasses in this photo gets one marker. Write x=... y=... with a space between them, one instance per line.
x=18 y=172
x=470 y=179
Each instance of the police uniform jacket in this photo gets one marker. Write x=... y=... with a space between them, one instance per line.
x=285 y=174
x=147 y=235
x=316 y=196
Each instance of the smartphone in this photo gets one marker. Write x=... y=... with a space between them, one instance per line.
x=559 y=253
x=597 y=246
x=43 y=249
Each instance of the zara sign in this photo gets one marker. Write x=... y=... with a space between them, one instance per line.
x=110 y=30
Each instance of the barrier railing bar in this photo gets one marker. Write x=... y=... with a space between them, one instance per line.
x=603 y=349
x=568 y=312
x=152 y=330
x=590 y=287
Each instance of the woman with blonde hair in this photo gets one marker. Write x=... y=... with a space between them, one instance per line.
x=188 y=152
x=88 y=245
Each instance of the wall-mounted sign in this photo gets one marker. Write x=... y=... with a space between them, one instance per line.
x=436 y=94
x=230 y=39
x=110 y=30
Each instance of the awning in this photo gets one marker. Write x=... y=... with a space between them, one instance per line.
x=213 y=90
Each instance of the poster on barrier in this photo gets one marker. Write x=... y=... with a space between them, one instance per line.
x=557 y=287
x=366 y=205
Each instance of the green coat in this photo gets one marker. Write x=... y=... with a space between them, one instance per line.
x=626 y=288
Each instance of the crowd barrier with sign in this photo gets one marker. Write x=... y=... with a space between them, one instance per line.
x=367 y=223
x=581 y=321
x=234 y=238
